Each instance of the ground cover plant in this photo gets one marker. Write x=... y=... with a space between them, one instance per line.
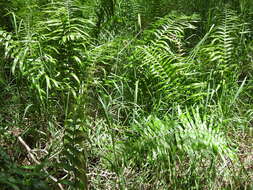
x=126 y=94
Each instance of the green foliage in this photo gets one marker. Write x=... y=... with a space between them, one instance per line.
x=50 y=56
x=126 y=94
x=223 y=52
x=168 y=66
x=75 y=154
x=18 y=178
x=173 y=149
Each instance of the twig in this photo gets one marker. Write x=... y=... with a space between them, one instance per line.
x=29 y=150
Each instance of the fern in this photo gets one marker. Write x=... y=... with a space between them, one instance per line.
x=75 y=153
x=64 y=33
x=223 y=49
x=165 y=58
x=173 y=149
x=220 y=57
x=51 y=58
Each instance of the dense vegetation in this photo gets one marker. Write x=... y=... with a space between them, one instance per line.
x=126 y=94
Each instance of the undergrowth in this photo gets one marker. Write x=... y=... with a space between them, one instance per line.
x=137 y=94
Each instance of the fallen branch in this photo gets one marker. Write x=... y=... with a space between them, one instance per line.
x=29 y=150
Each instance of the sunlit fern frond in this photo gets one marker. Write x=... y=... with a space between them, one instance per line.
x=226 y=39
x=172 y=146
x=166 y=59
x=65 y=23
x=50 y=51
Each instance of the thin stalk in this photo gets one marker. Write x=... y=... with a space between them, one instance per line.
x=110 y=128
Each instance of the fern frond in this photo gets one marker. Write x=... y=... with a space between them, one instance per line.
x=171 y=146
x=222 y=51
x=165 y=58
